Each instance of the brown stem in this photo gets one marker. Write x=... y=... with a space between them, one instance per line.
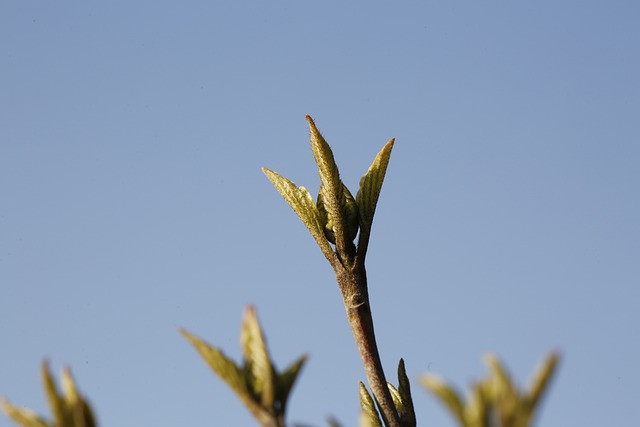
x=353 y=285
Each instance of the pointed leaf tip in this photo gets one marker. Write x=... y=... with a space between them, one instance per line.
x=371 y=185
x=369 y=416
x=257 y=360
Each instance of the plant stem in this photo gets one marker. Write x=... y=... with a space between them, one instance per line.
x=353 y=284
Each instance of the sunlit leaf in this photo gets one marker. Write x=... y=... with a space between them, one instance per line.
x=79 y=410
x=304 y=206
x=477 y=410
x=56 y=402
x=226 y=369
x=370 y=186
x=395 y=396
x=447 y=395
x=333 y=196
x=23 y=417
x=257 y=360
x=542 y=378
x=287 y=378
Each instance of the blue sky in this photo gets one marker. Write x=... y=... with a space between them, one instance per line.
x=131 y=140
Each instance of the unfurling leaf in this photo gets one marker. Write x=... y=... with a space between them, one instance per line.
x=369 y=416
x=351 y=223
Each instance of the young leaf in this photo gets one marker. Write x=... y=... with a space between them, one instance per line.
x=303 y=205
x=287 y=378
x=477 y=409
x=332 y=191
x=80 y=411
x=23 y=417
x=542 y=378
x=369 y=415
x=408 y=415
x=257 y=361
x=226 y=370
x=351 y=222
x=397 y=400
x=368 y=194
x=371 y=184
x=56 y=402
x=327 y=168
x=447 y=395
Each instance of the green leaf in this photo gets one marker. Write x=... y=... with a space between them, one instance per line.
x=478 y=408
x=408 y=415
x=56 y=403
x=370 y=186
x=79 y=411
x=23 y=417
x=328 y=170
x=227 y=370
x=303 y=205
x=369 y=416
x=332 y=190
x=542 y=378
x=287 y=379
x=397 y=400
x=257 y=361
x=540 y=385
x=351 y=223
x=447 y=395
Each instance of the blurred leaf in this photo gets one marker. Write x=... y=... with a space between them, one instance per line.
x=56 y=403
x=226 y=369
x=496 y=401
x=23 y=417
x=69 y=408
x=79 y=411
x=369 y=416
x=542 y=378
x=447 y=395
x=287 y=378
x=540 y=385
x=257 y=361
x=477 y=410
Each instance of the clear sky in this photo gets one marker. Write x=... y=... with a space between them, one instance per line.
x=132 y=202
